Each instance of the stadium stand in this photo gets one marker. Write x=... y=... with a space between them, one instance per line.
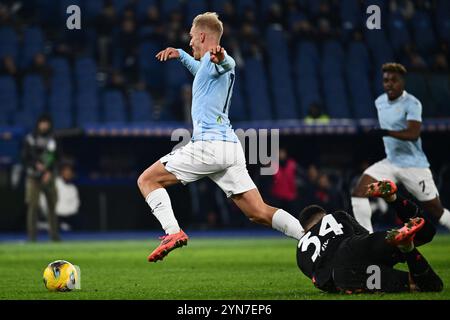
x=300 y=53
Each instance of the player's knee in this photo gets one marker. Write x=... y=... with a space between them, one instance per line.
x=145 y=179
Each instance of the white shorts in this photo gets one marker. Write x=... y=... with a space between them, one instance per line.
x=418 y=181
x=222 y=161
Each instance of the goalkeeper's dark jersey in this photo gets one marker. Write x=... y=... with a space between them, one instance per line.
x=316 y=249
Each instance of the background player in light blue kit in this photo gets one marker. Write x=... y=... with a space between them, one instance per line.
x=214 y=150
x=400 y=118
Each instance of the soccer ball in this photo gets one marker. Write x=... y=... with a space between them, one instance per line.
x=61 y=276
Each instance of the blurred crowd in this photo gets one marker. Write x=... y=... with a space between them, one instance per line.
x=113 y=34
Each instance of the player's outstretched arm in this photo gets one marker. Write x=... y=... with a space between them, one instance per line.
x=171 y=53
x=167 y=54
x=223 y=61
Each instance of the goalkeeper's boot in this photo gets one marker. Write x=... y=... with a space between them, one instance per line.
x=404 y=236
x=382 y=189
x=168 y=243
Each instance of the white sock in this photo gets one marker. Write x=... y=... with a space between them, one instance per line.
x=445 y=219
x=161 y=207
x=286 y=223
x=362 y=212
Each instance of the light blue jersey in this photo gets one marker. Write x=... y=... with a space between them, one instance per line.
x=393 y=115
x=211 y=94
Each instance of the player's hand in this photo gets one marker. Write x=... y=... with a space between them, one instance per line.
x=46 y=177
x=40 y=167
x=217 y=54
x=167 y=54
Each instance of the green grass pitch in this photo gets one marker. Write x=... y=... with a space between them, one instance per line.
x=219 y=268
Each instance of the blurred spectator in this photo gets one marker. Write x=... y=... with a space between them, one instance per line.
x=128 y=44
x=116 y=81
x=404 y=7
x=327 y=23
x=416 y=62
x=284 y=185
x=301 y=27
x=68 y=202
x=105 y=25
x=5 y=17
x=309 y=187
x=177 y=34
x=316 y=115
x=325 y=195
x=251 y=44
x=39 y=157
x=8 y=67
x=440 y=63
x=153 y=20
x=229 y=16
x=275 y=15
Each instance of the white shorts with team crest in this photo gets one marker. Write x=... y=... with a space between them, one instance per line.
x=221 y=161
x=418 y=181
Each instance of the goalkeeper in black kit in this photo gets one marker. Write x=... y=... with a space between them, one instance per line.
x=339 y=255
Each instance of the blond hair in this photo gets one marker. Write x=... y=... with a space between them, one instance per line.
x=394 y=67
x=210 y=21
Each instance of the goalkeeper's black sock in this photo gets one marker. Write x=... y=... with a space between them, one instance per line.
x=422 y=273
x=406 y=209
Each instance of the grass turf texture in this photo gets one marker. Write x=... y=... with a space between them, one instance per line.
x=243 y=268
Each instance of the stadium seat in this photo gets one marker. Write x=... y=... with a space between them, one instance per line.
x=60 y=67
x=8 y=96
x=439 y=85
x=8 y=43
x=313 y=6
x=48 y=12
x=280 y=75
x=358 y=57
x=238 y=108
x=350 y=14
x=242 y=5
x=120 y=5
x=335 y=93
x=34 y=95
x=194 y=8
x=443 y=19
x=398 y=32
x=141 y=106
x=381 y=52
x=142 y=7
x=150 y=67
x=416 y=84
x=176 y=75
x=92 y=8
x=256 y=89
x=333 y=58
x=25 y=118
x=424 y=37
x=307 y=75
x=33 y=43
x=167 y=7
x=85 y=72
x=87 y=108
x=360 y=94
x=114 y=109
